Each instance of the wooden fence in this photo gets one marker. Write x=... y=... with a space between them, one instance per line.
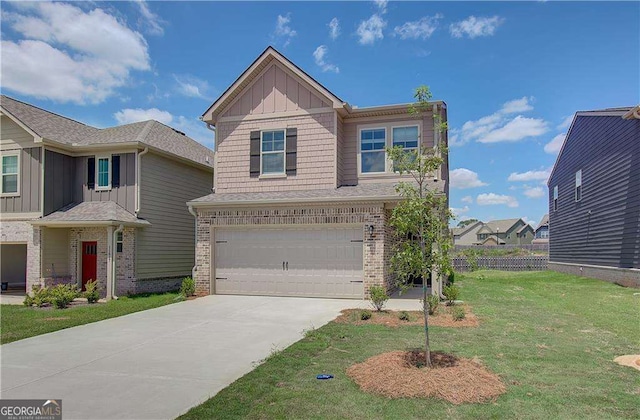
x=528 y=263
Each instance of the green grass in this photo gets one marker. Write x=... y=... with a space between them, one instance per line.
x=551 y=337
x=19 y=322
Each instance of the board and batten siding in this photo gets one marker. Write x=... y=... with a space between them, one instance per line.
x=124 y=195
x=167 y=247
x=603 y=228
x=28 y=200
x=60 y=182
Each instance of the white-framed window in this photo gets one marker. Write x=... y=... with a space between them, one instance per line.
x=555 y=198
x=373 y=139
x=373 y=157
x=272 y=152
x=406 y=137
x=10 y=185
x=579 y=185
x=119 y=242
x=103 y=172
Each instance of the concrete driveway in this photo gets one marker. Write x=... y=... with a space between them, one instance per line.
x=158 y=363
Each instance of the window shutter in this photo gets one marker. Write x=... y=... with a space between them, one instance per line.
x=292 y=147
x=254 y=158
x=91 y=173
x=115 y=171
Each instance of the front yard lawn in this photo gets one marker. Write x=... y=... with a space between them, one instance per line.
x=551 y=338
x=19 y=322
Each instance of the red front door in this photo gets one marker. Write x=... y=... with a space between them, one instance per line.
x=89 y=262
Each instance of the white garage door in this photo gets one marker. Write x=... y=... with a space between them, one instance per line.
x=322 y=262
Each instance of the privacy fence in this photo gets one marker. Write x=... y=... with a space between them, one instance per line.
x=527 y=263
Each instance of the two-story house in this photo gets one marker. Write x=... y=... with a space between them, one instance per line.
x=594 y=197
x=79 y=203
x=505 y=232
x=466 y=235
x=542 y=231
x=303 y=186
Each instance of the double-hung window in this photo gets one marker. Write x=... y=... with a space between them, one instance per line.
x=579 y=185
x=372 y=154
x=407 y=138
x=119 y=241
x=272 y=152
x=10 y=173
x=555 y=198
x=103 y=172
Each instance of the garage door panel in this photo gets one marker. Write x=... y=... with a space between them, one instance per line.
x=323 y=262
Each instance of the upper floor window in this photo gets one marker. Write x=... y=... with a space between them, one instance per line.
x=103 y=172
x=579 y=185
x=407 y=138
x=372 y=154
x=555 y=198
x=272 y=152
x=10 y=173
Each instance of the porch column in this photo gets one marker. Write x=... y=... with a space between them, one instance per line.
x=109 y=262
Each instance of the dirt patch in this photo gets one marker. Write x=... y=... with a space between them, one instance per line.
x=442 y=318
x=631 y=360
x=454 y=379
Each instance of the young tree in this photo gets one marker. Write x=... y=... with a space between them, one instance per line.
x=421 y=219
x=467 y=222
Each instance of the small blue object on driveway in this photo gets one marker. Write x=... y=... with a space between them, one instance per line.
x=324 y=376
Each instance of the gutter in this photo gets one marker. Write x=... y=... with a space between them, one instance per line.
x=139 y=177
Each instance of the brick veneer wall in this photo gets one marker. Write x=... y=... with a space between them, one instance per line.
x=375 y=258
x=23 y=232
x=87 y=234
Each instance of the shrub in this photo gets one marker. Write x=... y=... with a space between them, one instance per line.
x=40 y=295
x=92 y=291
x=28 y=300
x=378 y=297
x=365 y=314
x=451 y=293
x=188 y=287
x=452 y=277
x=433 y=301
x=404 y=316
x=457 y=312
x=63 y=294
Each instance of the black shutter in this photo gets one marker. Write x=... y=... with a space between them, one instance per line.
x=254 y=158
x=115 y=171
x=91 y=173
x=292 y=147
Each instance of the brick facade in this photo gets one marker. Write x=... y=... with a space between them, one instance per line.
x=23 y=232
x=376 y=248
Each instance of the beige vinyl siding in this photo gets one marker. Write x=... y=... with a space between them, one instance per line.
x=12 y=136
x=315 y=154
x=28 y=200
x=55 y=252
x=167 y=247
x=339 y=147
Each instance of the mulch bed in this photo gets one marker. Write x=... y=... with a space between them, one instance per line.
x=454 y=379
x=442 y=318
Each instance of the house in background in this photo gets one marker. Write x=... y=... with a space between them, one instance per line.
x=79 y=203
x=594 y=197
x=505 y=232
x=466 y=235
x=542 y=231
x=303 y=186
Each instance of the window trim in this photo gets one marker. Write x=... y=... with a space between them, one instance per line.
x=97 y=186
x=578 y=187
x=555 y=198
x=16 y=153
x=283 y=151
x=388 y=127
x=119 y=241
x=386 y=144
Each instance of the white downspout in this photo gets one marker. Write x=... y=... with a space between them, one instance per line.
x=110 y=263
x=114 y=251
x=138 y=177
x=195 y=237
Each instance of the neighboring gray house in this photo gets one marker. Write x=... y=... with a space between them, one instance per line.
x=467 y=235
x=80 y=203
x=505 y=232
x=594 y=197
x=303 y=186
x=542 y=231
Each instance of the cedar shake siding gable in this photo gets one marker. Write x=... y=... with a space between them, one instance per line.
x=603 y=228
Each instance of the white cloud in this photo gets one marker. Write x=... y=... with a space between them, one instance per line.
x=370 y=30
x=458 y=212
x=474 y=27
x=151 y=22
x=501 y=126
x=192 y=127
x=491 y=199
x=565 y=123
x=334 y=28
x=193 y=87
x=533 y=223
x=319 y=56
x=535 y=192
x=422 y=28
x=283 y=31
x=467 y=199
x=463 y=178
x=67 y=54
x=382 y=5
x=554 y=146
x=529 y=176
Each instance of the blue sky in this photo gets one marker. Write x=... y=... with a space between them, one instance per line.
x=512 y=73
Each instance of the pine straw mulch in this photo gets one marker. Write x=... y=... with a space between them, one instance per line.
x=454 y=379
x=442 y=318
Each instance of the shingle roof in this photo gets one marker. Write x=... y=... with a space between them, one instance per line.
x=524 y=228
x=360 y=192
x=503 y=225
x=465 y=229
x=88 y=212
x=64 y=130
x=544 y=221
